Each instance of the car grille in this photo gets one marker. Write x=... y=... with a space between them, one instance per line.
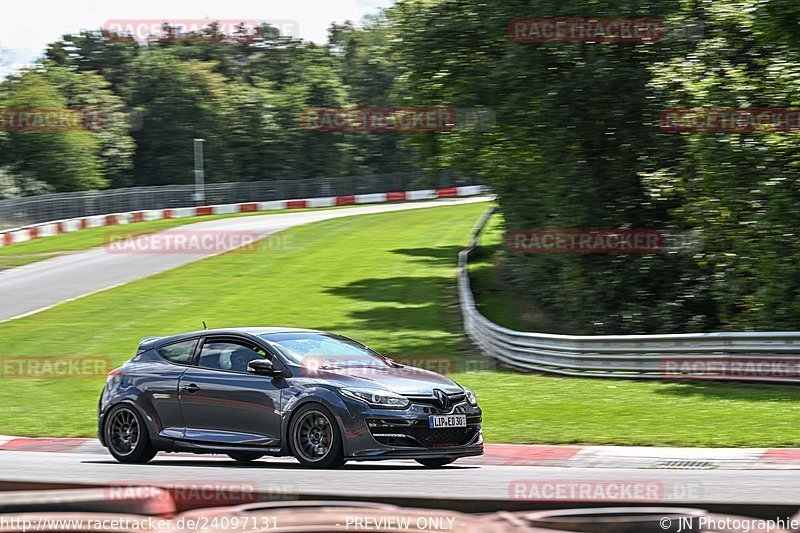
x=442 y=436
x=419 y=434
x=452 y=399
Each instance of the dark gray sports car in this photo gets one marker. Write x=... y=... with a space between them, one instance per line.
x=251 y=392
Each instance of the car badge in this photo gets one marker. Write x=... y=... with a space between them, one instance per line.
x=444 y=400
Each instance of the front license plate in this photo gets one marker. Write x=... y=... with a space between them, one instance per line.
x=447 y=421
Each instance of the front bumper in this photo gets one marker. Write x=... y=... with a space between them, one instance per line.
x=455 y=452
x=373 y=433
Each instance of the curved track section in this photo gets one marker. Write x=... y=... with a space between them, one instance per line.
x=33 y=288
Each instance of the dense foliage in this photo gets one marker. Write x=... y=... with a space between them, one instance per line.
x=577 y=144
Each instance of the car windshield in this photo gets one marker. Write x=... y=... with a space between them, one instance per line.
x=324 y=350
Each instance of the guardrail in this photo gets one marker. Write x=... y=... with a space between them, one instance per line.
x=16 y=212
x=766 y=356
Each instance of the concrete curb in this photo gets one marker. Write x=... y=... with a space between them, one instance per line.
x=532 y=455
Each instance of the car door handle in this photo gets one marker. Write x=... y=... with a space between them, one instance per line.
x=191 y=388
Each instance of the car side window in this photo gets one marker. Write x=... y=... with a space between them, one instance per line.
x=228 y=355
x=179 y=353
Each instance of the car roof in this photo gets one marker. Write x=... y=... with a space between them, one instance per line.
x=155 y=342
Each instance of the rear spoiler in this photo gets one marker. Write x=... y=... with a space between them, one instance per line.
x=145 y=340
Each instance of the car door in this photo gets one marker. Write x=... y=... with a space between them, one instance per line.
x=158 y=377
x=222 y=403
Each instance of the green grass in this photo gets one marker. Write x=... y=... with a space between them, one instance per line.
x=386 y=279
x=494 y=302
x=536 y=409
x=27 y=252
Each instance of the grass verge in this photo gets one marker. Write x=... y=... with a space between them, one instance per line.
x=27 y=252
x=496 y=297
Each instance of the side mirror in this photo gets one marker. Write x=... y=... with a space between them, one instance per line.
x=263 y=367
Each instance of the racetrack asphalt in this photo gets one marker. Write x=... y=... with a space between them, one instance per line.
x=506 y=472
x=32 y=288
x=406 y=479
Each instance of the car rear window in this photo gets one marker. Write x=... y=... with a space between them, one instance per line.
x=179 y=352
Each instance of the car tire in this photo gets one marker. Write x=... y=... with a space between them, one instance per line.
x=245 y=457
x=126 y=436
x=434 y=463
x=314 y=430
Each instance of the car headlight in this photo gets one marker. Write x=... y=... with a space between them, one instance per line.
x=377 y=398
x=471 y=398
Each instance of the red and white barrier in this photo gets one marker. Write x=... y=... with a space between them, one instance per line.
x=47 y=229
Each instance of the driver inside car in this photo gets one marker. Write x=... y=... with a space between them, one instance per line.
x=236 y=359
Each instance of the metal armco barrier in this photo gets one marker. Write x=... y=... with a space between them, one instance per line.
x=765 y=356
x=15 y=212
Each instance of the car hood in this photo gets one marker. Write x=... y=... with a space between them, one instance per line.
x=402 y=380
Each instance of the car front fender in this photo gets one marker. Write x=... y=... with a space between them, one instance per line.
x=296 y=396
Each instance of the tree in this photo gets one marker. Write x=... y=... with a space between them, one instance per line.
x=90 y=92
x=573 y=134
x=178 y=101
x=65 y=160
x=96 y=51
x=739 y=190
